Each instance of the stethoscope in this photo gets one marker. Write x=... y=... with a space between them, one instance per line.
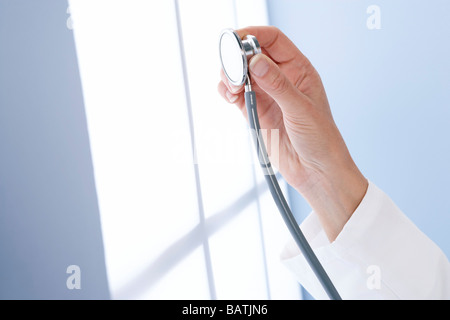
x=234 y=55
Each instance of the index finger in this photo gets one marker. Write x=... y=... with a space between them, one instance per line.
x=278 y=46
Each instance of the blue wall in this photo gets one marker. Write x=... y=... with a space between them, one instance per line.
x=49 y=217
x=389 y=90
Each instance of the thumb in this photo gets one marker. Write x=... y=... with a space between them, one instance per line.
x=272 y=80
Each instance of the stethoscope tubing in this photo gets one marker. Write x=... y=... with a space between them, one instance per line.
x=283 y=207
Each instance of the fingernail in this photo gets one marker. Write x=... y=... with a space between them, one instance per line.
x=234 y=89
x=231 y=97
x=259 y=65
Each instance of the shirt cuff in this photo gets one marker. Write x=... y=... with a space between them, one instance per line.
x=379 y=254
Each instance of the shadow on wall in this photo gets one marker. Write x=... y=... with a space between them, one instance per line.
x=50 y=237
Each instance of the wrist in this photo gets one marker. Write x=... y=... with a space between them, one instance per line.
x=334 y=195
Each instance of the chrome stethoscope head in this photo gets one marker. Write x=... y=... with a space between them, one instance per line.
x=234 y=55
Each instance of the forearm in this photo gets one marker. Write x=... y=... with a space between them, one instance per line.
x=335 y=194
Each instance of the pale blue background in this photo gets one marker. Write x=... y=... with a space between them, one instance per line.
x=389 y=91
x=49 y=216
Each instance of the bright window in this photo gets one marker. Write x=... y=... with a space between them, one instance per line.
x=185 y=213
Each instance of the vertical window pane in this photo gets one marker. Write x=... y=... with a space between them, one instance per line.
x=224 y=156
x=134 y=97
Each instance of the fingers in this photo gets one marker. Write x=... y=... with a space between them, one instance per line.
x=230 y=93
x=278 y=46
x=233 y=89
x=226 y=93
x=272 y=80
x=233 y=98
x=273 y=42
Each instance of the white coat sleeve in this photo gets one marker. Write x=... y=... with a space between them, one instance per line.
x=379 y=254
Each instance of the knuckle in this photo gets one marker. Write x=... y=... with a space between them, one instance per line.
x=275 y=29
x=279 y=84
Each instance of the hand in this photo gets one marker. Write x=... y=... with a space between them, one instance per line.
x=313 y=157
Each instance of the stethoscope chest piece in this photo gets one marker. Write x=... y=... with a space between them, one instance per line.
x=235 y=54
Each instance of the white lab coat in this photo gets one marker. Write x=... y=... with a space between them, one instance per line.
x=379 y=254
